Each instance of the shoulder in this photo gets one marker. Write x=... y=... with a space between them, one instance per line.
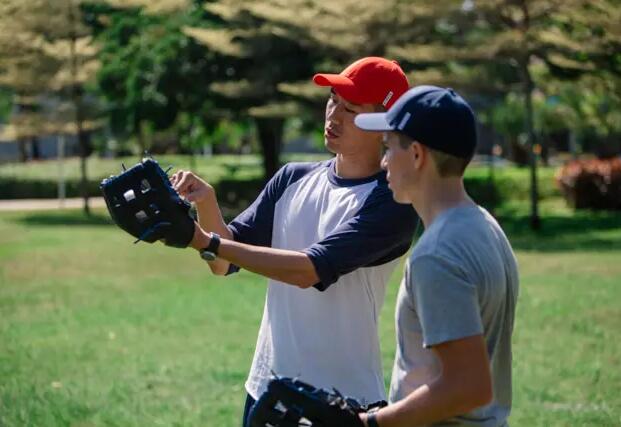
x=294 y=171
x=381 y=202
x=466 y=229
x=291 y=173
x=455 y=228
x=302 y=168
x=426 y=260
x=381 y=195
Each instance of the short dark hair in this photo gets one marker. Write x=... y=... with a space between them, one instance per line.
x=446 y=164
x=449 y=165
x=404 y=140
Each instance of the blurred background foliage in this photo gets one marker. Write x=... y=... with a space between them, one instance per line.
x=230 y=76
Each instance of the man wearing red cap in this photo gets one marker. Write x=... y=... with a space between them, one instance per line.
x=332 y=230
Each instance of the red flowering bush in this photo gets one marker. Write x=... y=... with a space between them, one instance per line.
x=591 y=184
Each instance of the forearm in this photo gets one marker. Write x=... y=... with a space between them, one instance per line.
x=210 y=216
x=291 y=267
x=439 y=400
x=210 y=219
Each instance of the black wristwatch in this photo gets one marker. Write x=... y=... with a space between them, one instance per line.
x=371 y=418
x=210 y=253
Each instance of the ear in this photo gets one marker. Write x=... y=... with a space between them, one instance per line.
x=419 y=154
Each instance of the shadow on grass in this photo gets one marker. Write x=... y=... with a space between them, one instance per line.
x=583 y=231
x=63 y=218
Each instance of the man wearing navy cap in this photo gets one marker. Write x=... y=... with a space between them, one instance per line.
x=456 y=303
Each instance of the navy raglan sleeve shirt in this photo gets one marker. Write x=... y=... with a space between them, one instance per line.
x=380 y=232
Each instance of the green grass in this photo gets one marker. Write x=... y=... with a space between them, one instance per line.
x=95 y=331
x=38 y=179
x=216 y=167
x=219 y=165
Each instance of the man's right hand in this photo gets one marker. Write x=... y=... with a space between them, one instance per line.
x=194 y=189
x=191 y=187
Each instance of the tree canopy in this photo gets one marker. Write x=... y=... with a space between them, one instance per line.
x=184 y=66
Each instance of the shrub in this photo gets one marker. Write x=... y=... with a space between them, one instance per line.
x=15 y=188
x=591 y=184
x=238 y=179
x=484 y=191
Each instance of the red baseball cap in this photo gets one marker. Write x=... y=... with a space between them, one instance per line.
x=370 y=80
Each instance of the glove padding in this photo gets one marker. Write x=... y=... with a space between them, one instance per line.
x=142 y=202
x=291 y=403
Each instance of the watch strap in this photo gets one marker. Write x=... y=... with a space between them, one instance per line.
x=210 y=253
x=214 y=243
x=372 y=419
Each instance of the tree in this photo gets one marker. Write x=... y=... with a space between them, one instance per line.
x=46 y=50
x=259 y=58
x=552 y=39
x=267 y=51
x=23 y=61
x=5 y=104
x=154 y=77
x=277 y=45
x=595 y=113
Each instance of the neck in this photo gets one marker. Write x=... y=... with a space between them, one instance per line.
x=358 y=166
x=438 y=195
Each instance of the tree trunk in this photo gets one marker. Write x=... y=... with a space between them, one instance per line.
x=545 y=150
x=516 y=152
x=573 y=144
x=535 y=221
x=139 y=131
x=76 y=96
x=35 y=150
x=527 y=80
x=23 y=151
x=84 y=151
x=270 y=137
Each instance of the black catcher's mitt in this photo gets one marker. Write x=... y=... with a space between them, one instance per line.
x=142 y=202
x=292 y=403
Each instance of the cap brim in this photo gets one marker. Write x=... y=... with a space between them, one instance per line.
x=341 y=85
x=373 y=121
x=332 y=80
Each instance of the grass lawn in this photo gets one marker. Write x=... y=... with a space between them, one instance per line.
x=215 y=167
x=97 y=332
x=38 y=179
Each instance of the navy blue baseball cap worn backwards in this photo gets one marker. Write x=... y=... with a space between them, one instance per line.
x=436 y=117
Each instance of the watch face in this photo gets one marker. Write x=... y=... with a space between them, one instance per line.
x=208 y=256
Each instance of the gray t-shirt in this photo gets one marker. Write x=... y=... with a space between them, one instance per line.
x=461 y=280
